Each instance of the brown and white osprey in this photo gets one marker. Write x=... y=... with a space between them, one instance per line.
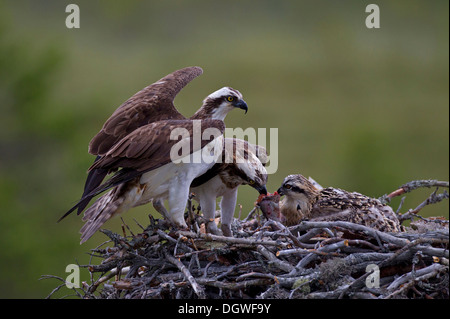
x=304 y=201
x=141 y=154
x=242 y=164
x=150 y=173
x=152 y=104
x=223 y=179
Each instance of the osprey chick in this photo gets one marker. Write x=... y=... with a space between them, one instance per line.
x=304 y=201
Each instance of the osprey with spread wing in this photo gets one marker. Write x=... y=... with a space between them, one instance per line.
x=136 y=143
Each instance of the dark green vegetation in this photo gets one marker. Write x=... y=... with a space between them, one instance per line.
x=359 y=109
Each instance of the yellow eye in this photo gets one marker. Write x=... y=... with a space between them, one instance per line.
x=251 y=182
x=288 y=186
x=230 y=98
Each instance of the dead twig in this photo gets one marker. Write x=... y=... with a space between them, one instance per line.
x=64 y=284
x=198 y=289
x=410 y=186
x=409 y=279
x=432 y=199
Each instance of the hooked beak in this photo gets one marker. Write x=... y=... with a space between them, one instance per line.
x=242 y=105
x=261 y=189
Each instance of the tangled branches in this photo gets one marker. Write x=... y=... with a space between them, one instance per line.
x=269 y=260
x=265 y=259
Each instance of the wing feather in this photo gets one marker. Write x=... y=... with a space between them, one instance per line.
x=140 y=152
x=149 y=146
x=151 y=104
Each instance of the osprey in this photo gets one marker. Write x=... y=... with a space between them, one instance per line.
x=144 y=159
x=152 y=104
x=150 y=172
x=303 y=200
x=222 y=179
x=242 y=164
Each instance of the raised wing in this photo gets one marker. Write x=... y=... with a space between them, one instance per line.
x=151 y=104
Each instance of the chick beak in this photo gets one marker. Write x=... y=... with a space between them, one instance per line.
x=280 y=191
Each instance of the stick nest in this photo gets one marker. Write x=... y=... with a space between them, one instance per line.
x=269 y=260
x=266 y=259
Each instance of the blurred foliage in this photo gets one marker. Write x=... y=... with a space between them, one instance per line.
x=364 y=110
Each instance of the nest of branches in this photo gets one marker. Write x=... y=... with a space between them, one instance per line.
x=267 y=260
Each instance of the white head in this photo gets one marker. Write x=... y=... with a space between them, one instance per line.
x=219 y=103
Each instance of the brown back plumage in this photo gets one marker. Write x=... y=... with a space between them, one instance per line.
x=304 y=201
x=338 y=204
x=149 y=146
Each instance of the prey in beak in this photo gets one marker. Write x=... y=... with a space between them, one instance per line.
x=270 y=206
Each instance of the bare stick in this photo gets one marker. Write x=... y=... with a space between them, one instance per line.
x=432 y=199
x=233 y=286
x=313 y=255
x=127 y=227
x=274 y=260
x=410 y=186
x=232 y=240
x=200 y=292
x=250 y=214
x=414 y=277
x=351 y=226
x=64 y=284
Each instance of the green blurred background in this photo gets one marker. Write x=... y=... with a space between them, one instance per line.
x=361 y=109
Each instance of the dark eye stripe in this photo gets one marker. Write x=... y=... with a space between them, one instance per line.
x=298 y=190
x=295 y=189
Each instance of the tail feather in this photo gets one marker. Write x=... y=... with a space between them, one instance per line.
x=94 y=179
x=99 y=213
x=121 y=177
